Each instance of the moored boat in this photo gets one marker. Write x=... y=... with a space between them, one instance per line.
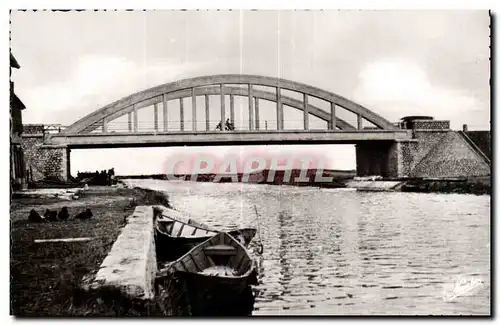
x=213 y=278
x=165 y=214
x=177 y=234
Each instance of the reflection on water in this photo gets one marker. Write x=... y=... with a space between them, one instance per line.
x=338 y=252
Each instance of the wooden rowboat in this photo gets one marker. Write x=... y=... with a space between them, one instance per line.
x=176 y=234
x=164 y=213
x=213 y=278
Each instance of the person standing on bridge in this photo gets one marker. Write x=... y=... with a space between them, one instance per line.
x=229 y=125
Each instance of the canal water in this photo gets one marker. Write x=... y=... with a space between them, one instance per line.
x=343 y=252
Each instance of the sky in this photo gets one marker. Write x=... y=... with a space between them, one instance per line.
x=395 y=63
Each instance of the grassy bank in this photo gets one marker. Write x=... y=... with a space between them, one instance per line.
x=45 y=277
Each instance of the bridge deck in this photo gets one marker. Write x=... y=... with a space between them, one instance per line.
x=188 y=138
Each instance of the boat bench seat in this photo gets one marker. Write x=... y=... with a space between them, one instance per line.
x=220 y=250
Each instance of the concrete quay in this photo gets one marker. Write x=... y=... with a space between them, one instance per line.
x=130 y=267
x=375 y=185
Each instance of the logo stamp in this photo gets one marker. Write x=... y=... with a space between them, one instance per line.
x=247 y=168
x=463 y=286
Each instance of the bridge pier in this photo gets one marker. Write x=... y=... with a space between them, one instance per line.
x=434 y=151
x=43 y=161
x=393 y=159
x=55 y=162
x=372 y=159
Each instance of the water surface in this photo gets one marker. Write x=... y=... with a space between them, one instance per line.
x=343 y=252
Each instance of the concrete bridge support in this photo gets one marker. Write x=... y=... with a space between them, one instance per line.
x=433 y=152
x=56 y=162
x=384 y=158
x=371 y=159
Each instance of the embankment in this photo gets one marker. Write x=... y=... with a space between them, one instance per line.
x=478 y=186
x=46 y=278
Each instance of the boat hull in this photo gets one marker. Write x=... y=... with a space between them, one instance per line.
x=170 y=248
x=188 y=295
x=212 y=279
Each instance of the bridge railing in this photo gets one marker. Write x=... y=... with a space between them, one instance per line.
x=210 y=125
x=175 y=125
x=40 y=129
x=201 y=126
x=53 y=128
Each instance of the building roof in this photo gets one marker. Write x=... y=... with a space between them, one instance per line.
x=16 y=102
x=416 y=117
x=13 y=62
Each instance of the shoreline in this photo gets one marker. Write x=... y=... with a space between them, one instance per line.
x=292 y=177
x=471 y=185
x=46 y=277
x=475 y=186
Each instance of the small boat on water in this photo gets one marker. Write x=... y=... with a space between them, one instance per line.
x=176 y=234
x=213 y=278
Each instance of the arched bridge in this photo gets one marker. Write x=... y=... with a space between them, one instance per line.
x=101 y=129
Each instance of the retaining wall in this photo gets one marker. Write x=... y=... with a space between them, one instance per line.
x=130 y=266
x=45 y=162
x=451 y=157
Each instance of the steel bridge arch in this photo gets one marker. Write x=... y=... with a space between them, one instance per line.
x=214 y=85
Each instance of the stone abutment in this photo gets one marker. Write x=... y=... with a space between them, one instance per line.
x=44 y=162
